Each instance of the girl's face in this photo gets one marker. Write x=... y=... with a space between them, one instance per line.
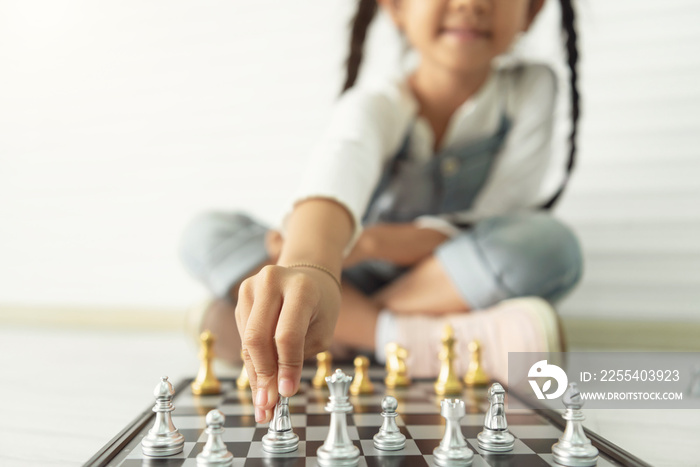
x=461 y=35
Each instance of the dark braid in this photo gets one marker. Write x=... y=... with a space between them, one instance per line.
x=568 y=27
x=360 y=23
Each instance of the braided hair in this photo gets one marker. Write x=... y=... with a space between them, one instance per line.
x=366 y=11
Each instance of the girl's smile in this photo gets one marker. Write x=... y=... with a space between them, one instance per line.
x=463 y=34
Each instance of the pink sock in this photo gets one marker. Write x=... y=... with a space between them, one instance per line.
x=517 y=325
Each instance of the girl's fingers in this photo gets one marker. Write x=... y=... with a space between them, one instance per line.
x=290 y=338
x=250 y=369
x=243 y=307
x=258 y=338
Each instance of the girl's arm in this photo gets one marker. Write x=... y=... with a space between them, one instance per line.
x=404 y=244
x=286 y=314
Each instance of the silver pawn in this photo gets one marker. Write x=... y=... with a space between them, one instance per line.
x=280 y=438
x=389 y=437
x=495 y=436
x=338 y=449
x=453 y=449
x=214 y=452
x=574 y=449
x=163 y=439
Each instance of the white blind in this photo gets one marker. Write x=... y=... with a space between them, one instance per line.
x=635 y=196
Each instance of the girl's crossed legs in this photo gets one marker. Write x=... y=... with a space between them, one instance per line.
x=529 y=254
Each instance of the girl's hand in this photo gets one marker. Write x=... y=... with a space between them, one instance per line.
x=284 y=316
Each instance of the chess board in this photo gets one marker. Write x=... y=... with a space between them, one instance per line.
x=419 y=419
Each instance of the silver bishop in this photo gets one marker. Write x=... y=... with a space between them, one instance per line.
x=574 y=449
x=163 y=439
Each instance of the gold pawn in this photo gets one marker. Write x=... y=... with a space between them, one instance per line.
x=361 y=383
x=206 y=382
x=396 y=372
x=243 y=382
x=447 y=381
x=324 y=360
x=476 y=376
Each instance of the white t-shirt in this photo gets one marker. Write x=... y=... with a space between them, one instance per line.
x=369 y=123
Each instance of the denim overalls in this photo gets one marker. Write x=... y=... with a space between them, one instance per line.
x=506 y=256
x=448 y=182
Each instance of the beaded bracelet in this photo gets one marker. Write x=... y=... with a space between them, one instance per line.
x=320 y=268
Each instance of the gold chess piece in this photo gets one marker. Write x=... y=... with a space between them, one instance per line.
x=324 y=361
x=396 y=372
x=361 y=383
x=243 y=382
x=447 y=382
x=476 y=376
x=206 y=382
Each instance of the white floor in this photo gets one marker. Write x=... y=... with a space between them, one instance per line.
x=64 y=394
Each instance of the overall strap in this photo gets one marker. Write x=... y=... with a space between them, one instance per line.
x=387 y=175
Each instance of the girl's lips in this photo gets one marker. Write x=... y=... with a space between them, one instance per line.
x=464 y=34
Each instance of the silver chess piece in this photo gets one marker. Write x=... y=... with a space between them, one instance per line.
x=214 y=452
x=280 y=438
x=495 y=436
x=338 y=449
x=163 y=439
x=389 y=438
x=453 y=449
x=574 y=449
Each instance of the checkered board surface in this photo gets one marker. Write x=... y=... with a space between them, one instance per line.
x=419 y=419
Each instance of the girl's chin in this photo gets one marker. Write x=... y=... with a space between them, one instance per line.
x=468 y=64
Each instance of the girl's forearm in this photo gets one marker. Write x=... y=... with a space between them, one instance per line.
x=317 y=231
x=402 y=244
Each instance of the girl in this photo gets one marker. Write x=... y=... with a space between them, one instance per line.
x=426 y=193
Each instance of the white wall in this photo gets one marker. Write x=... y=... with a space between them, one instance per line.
x=636 y=196
x=119 y=121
